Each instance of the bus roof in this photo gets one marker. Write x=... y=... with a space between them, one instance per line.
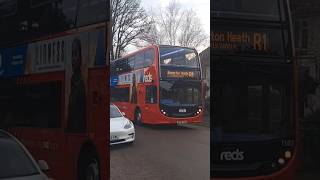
x=148 y=47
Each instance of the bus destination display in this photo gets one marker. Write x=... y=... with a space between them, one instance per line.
x=242 y=41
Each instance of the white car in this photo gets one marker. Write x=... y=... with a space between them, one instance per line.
x=121 y=128
x=16 y=163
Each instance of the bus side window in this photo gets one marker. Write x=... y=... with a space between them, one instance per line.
x=36 y=105
x=91 y=12
x=149 y=57
x=151 y=94
x=130 y=64
x=119 y=94
x=139 y=61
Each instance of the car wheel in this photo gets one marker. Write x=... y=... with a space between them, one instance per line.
x=138 y=119
x=92 y=170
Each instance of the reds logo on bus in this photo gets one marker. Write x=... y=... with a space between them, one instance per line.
x=148 y=77
x=236 y=155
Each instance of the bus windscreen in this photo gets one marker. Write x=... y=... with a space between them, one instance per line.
x=245 y=118
x=177 y=56
x=247 y=9
x=8 y=8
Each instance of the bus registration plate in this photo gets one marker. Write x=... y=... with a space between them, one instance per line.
x=181 y=122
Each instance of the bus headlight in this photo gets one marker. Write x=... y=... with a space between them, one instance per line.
x=199 y=111
x=163 y=112
x=281 y=161
x=287 y=154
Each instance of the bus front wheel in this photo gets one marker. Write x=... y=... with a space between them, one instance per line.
x=137 y=118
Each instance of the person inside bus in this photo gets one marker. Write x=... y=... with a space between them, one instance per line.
x=77 y=96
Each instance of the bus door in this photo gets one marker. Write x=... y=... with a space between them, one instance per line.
x=97 y=103
x=142 y=104
x=98 y=107
x=149 y=101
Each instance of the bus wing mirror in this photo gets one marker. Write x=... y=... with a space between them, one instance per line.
x=43 y=165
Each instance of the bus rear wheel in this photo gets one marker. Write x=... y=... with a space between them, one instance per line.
x=137 y=118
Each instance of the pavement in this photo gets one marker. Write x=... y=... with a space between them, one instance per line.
x=163 y=153
x=175 y=152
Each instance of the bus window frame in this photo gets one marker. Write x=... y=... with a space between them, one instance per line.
x=128 y=59
x=127 y=95
x=29 y=36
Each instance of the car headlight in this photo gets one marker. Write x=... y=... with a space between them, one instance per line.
x=128 y=125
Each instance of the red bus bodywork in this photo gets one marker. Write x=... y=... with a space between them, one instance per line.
x=66 y=151
x=151 y=113
x=288 y=170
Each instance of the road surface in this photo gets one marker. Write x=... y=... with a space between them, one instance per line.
x=163 y=153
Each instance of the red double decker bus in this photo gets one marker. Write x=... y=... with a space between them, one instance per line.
x=254 y=72
x=159 y=85
x=52 y=62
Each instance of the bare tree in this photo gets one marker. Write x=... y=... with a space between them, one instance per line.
x=176 y=26
x=130 y=21
x=171 y=19
x=154 y=35
x=191 y=33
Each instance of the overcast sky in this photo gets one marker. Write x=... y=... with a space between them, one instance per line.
x=201 y=7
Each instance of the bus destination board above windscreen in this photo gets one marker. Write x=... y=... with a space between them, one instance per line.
x=248 y=42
